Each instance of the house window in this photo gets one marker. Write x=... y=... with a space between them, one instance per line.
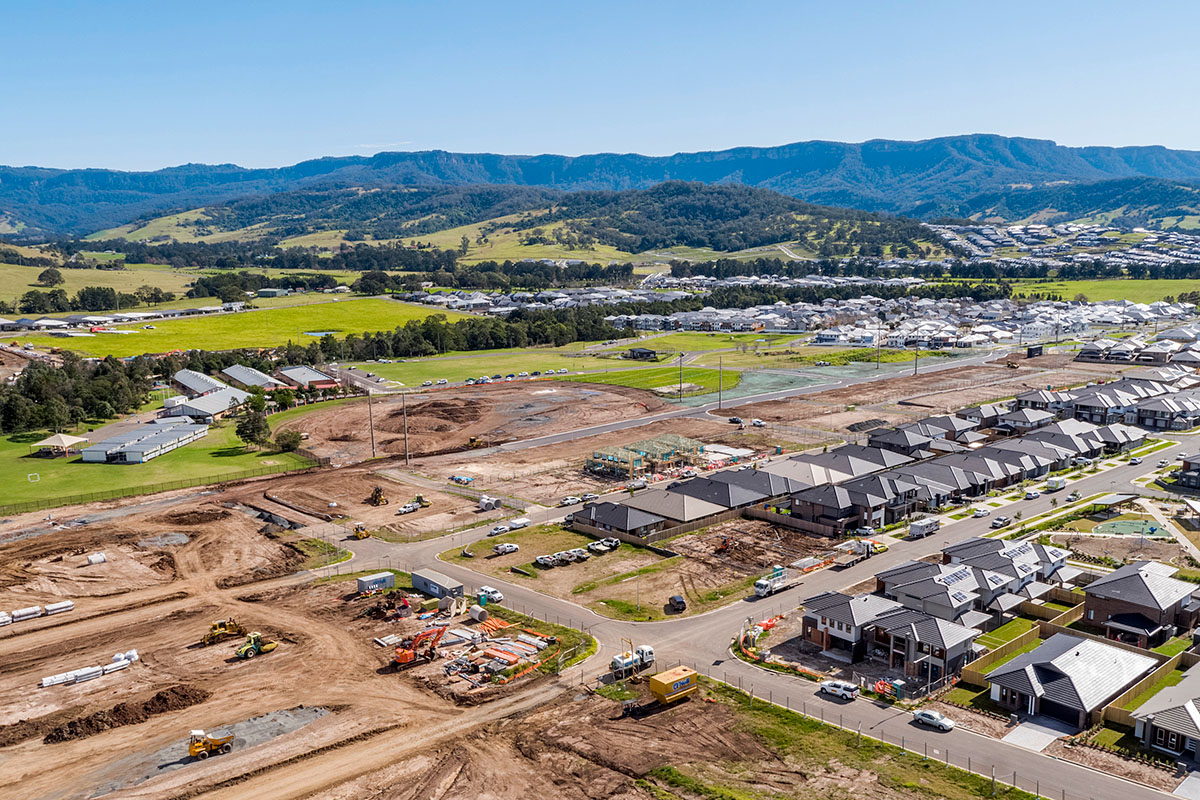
x=1091 y=614
x=1167 y=739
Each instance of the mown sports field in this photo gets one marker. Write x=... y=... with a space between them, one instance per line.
x=703 y=380
x=264 y=328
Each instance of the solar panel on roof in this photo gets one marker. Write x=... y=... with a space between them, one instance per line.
x=959 y=597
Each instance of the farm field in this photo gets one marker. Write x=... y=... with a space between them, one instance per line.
x=267 y=328
x=1136 y=289
x=16 y=280
x=219 y=454
x=459 y=368
x=690 y=342
x=798 y=357
x=702 y=380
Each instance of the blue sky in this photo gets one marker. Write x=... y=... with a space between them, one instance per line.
x=145 y=85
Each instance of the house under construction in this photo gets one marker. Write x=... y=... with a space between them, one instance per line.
x=648 y=456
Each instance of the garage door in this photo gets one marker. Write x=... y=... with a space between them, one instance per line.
x=1060 y=712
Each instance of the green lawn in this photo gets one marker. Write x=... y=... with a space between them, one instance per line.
x=964 y=694
x=1173 y=647
x=665 y=377
x=1019 y=651
x=1172 y=678
x=1117 y=736
x=809 y=355
x=220 y=455
x=693 y=341
x=267 y=328
x=1005 y=633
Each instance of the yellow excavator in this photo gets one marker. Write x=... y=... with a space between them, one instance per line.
x=255 y=645
x=220 y=629
x=201 y=745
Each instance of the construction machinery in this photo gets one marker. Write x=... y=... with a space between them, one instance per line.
x=421 y=501
x=360 y=531
x=201 y=745
x=255 y=646
x=220 y=629
x=420 y=648
x=377 y=498
x=1011 y=364
x=475 y=441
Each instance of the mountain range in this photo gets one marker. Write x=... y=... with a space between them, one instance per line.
x=980 y=174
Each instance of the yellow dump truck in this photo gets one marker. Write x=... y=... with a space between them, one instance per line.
x=674 y=684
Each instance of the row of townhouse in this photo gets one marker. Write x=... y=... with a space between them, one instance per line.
x=1164 y=398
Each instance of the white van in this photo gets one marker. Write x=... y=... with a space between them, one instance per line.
x=519 y=522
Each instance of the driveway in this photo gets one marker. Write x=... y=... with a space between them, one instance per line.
x=1038 y=733
x=1190 y=788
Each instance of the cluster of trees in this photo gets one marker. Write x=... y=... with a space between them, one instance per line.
x=89 y=298
x=57 y=398
x=532 y=275
x=232 y=286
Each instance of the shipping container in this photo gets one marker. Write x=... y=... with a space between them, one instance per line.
x=380 y=580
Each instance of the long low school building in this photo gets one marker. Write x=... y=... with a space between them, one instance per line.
x=144 y=443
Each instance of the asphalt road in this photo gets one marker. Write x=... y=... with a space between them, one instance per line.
x=704 y=641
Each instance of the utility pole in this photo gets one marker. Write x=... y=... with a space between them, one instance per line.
x=916 y=355
x=681 y=378
x=404 y=407
x=371 y=422
x=720 y=387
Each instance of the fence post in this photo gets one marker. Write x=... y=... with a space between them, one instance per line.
x=993 y=780
x=859 y=735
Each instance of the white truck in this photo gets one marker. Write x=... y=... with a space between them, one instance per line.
x=628 y=662
x=923 y=527
x=776 y=581
x=1054 y=484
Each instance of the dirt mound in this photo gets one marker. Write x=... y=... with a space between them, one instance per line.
x=172 y=699
x=196 y=516
x=442 y=414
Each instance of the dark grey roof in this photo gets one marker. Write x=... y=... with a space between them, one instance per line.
x=723 y=493
x=858 y=610
x=875 y=455
x=1078 y=673
x=769 y=484
x=902 y=437
x=1146 y=583
x=976 y=545
x=617 y=516
x=1175 y=708
x=922 y=627
x=672 y=505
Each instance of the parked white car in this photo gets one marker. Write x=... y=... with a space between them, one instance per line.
x=442 y=381
x=492 y=595
x=545 y=561
x=570 y=500
x=408 y=508
x=580 y=554
x=611 y=541
x=982 y=512
x=504 y=548
x=842 y=689
x=590 y=498
x=933 y=719
x=499 y=529
x=1032 y=495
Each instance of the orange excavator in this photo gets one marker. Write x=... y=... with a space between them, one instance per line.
x=420 y=648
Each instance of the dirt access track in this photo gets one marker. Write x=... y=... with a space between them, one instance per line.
x=445 y=421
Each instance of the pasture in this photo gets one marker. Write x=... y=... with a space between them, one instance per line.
x=662 y=377
x=263 y=328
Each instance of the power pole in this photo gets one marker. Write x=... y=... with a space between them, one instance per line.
x=720 y=387
x=916 y=355
x=371 y=422
x=681 y=378
x=404 y=407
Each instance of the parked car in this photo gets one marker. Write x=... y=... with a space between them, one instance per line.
x=1162 y=462
x=1073 y=496
x=504 y=548
x=735 y=420
x=536 y=372
x=522 y=374
x=545 y=561
x=982 y=512
x=842 y=689
x=499 y=529
x=677 y=603
x=427 y=383
x=1000 y=522
x=1180 y=456
x=564 y=557
x=1082 y=461
x=580 y=554
x=442 y=381
x=511 y=375
x=497 y=377
x=492 y=595
x=408 y=508
x=562 y=371
x=637 y=483
x=590 y=497
x=758 y=423
x=1135 y=460
x=508 y=379
x=933 y=719
x=1032 y=495
x=611 y=542
x=470 y=381
x=570 y=500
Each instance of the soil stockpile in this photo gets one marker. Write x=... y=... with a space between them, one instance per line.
x=172 y=699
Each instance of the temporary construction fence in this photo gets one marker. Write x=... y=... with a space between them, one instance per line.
x=150 y=488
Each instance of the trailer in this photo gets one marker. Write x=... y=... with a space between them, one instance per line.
x=923 y=527
x=674 y=685
x=435 y=584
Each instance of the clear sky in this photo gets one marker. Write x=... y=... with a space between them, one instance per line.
x=146 y=85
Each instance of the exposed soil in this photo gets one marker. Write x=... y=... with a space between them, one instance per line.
x=1113 y=764
x=1126 y=548
x=748 y=547
x=131 y=713
x=493 y=414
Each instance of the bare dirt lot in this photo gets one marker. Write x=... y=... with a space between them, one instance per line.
x=547 y=473
x=1126 y=548
x=445 y=423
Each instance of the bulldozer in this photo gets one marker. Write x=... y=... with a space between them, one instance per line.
x=255 y=645
x=421 y=501
x=1011 y=364
x=475 y=441
x=420 y=648
x=377 y=498
x=201 y=745
x=220 y=629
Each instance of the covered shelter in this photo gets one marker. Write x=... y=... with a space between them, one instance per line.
x=60 y=444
